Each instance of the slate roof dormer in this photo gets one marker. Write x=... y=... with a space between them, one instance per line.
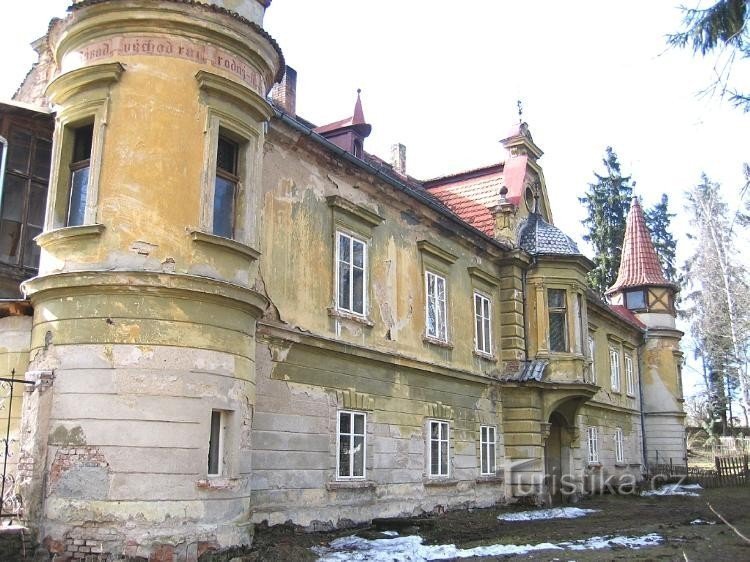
x=538 y=237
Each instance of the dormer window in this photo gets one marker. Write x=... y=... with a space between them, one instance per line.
x=635 y=300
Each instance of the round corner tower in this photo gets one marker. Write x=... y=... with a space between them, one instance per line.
x=145 y=306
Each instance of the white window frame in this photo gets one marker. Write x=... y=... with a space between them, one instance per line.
x=482 y=324
x=592 y=434
x=442 y=444
x=220 y=449
x=488 y=450
x=619 y=446
x=339 y=264
x=350 y=473
x=629 y=375
x=592 y=359
x=614 y=368
x=433 y=300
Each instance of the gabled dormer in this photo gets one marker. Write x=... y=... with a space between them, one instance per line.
x=350 y=133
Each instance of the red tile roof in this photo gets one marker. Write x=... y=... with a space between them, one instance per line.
x=639 y=264
x=626 y=315
x=471 y=195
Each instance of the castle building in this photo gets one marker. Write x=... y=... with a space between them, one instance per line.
x=231 y=316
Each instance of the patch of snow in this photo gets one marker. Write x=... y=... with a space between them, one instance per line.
x=702 y=522
x=553 y=513
x=411 y=549
x=389 y=533
x=674 y=490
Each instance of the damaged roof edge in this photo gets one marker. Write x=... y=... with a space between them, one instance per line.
x=401 y=186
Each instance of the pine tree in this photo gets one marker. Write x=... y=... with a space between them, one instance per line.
x=607 y=202
x=723 y=27
x=718 y=305
x=658 y=219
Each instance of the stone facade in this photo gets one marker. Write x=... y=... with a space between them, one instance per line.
x=202 y=366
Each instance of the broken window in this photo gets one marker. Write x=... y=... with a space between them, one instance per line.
x=482 y=332
x=351 y=260
x=487 y=449
x=24 y=196
x=558 y=326
x=225 y=187
x=437 y=326
x=351 y=445
x=438 y=448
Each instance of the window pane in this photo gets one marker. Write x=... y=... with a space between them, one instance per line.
x=359 y=424
x=358 y=251
x=344 y=455
x=359 y=456
x=224 y=193
x=19 y=149
x=434 y=458
x=37 y=202
x=213 y=443
x=434 y=430
x=492 y=457
x=345 y=423
x=557 y=331
x=42 y=159
x=358 y=291
x=78 y=194
x=635 y=300
x=14 y=191
x=344 y=286
x=82 y=143
x=444 y=458
x=226 y=156
x=10 y=238
x=556 y=298
x=31 y=250
x=344 y=244
x=440 y=282
x=431 y=318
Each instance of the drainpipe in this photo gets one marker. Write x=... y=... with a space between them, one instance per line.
x=643 y=416
x=3 y=155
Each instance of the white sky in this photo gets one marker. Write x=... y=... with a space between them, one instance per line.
x=443 y=77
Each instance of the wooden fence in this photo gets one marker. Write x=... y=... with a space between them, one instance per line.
x=728 y=472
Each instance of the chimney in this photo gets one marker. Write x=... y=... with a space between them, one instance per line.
x=284 y=93
x=398 y=158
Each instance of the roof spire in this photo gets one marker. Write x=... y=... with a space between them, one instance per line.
x=359 y=116
x=519 y=104
x=639 y=263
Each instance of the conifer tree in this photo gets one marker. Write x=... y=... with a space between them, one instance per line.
x=658 y=219
x=607 y=203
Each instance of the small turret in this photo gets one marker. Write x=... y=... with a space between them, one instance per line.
x=350 y=133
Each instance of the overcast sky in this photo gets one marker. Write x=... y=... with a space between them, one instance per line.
x=443 y=78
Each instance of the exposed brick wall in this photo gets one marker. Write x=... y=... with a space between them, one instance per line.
x=71 y=457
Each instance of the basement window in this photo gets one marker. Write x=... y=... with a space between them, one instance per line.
x=351 y=446
x=438 y=446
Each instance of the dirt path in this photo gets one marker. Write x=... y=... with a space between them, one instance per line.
x=669 y=516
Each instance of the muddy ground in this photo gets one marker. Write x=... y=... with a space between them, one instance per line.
x=669 y=516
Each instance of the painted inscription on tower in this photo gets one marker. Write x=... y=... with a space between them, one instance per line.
x=145 y=45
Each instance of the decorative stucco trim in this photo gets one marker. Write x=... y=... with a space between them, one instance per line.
x=483 y=276
x=227 y=244
x=356 y=211
x=239 y=95
x=350 y=399
x=439 y=411
x=436 y=252
x=46 y=239
x=62 y=88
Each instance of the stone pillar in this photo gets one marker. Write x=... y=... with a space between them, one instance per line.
x=144 y=307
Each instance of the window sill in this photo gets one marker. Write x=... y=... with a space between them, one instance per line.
x=490 y=479
x=228 y=244
x=621 y=464
x=436 y=342
x=59 y=234
x=485 y=356
x=343 y=315
x=631 y=395
x=438 y=482
x=350 y=485
x=594 y=465
x=217 y=483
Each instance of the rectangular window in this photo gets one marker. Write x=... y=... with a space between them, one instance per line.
x=592 y=360
x=225 y=187
x=80 y=165
x=629 y=375
x=216 y=443
x=635 y=300
x=351 y=446
x=614 y=367
x=351 y=266
x=438 y=448
x=619 y=449
x=558 y=326
x=593 y=441
x=487 y=449
x=24 y=195
x=437 y=326
x=578 y=303
x=482 y=332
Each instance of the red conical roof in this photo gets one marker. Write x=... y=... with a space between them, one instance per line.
x=639 y=264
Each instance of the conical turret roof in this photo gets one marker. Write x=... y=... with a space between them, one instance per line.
x=639 y=264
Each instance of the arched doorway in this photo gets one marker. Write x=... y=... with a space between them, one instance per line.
x=556 y=456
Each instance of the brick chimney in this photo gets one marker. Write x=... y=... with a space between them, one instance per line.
x=284 y=93
x=398 y=158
